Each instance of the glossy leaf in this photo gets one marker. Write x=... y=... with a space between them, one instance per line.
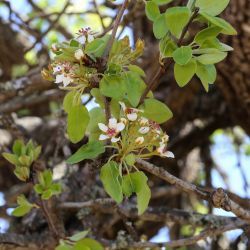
x=88 y=151
x=88 y=244
x=109 y=86
x=156 y=110
x=137 y=183
x=226 y=27
x=110 y=179
x=167 y=47
x=78 y=119
x=176 y=19
x=184 y=73
x=159 y=26
x=152 y=10
x=212 y=7
x=210 y=32
x=207 y=74
x=182 y=55
x=211 y=58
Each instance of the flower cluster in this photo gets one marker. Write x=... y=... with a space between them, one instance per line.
x=70 y=67
x=136 y=134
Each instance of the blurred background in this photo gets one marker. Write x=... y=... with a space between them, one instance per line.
x=209 y=133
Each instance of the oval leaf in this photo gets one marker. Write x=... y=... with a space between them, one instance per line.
x=88 y=151
x=182 y=55
x=156 y=110
x=184 y=73
x=110 y=179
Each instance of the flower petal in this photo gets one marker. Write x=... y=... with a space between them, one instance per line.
x=79 y=54
x=144 y=130
x=102 y=127
x=132 y=117
x=91 y=38
x=67 y=80
x=114 y=139
x=103 y=137
x=59 y=78
x=81 y=39
x=139 y=140
x=123 y=106
x=120 y=126
x=112 y=123
x=169 y=154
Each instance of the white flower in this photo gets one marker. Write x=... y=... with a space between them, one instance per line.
x=79 y=54
x=144 y=121
x=111 y=131
x=144 y=130
x=163 y=153
x=66 y=80
x=90 y=38
x=84 y=35
x=131 y=113
x=57 y=69
x=81 y=39
x=139 y=140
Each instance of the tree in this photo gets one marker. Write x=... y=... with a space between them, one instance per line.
x=117 y=158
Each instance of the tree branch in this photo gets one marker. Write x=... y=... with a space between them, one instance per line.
x=218 y=198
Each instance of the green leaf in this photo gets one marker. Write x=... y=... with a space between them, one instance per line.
x=99 y=98
x=88 y=151
x=110 y=179
x=21 y=211
x=24 y=160
x=184 y=73
x=212 y=58
x=47 y=194
x=167 y=47
x=152 y=10
x=56 y=188
x=97 y=115
x=136 y=69
x=162 y=2
x=156 y=111
x=177 y=18
x=64 y=247
x=78 y=236
x=17 y=147
x=23 y=208
x=207 y=74
x=70 y=100
x=130 y=159
x=89 y=243
x=159 y=26
x=13 y=159
x=226 y=27
x=135 y=87
x=48 y=177
x=38 y=188
x=78 y=119
x=97 y=47
x=182 y=55
x=210 y=32
x=137 y=183
x=212 y=7
x=115 y=109
x=109 y=86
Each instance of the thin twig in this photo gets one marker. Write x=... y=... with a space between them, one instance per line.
x=115 y=27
